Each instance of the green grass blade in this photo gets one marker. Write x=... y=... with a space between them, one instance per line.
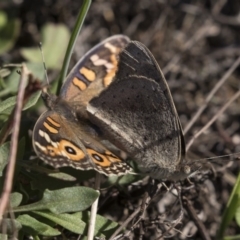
x=231 y=209
x=80 y=19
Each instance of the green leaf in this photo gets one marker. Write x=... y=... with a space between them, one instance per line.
x=58 y=180
x=42 y=182
x=237 y=215
x=54 y=43
x=3 y=236
x=129 y=179
x=4 y=72
x=12 y=80
x=236 y=237
x=63 y=200
x=4 y=153
x=3 y=19
x=32 y=100
x=31 y=54
x=33 y=226
x=72 y=222
x=123 y=180
x=62 y=176
x=11 y=225
x=230 y=211
x=7 y=106
x=9 y=32
x=78 y=25
x=103 y=226
x=15 y=199
x=37 y=70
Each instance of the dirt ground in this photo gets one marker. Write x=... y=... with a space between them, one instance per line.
x=195 y=43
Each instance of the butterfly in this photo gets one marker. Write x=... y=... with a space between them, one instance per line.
x=115 y=92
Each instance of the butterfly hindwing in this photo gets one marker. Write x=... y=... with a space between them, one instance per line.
x=51 y=141
x=58 y=145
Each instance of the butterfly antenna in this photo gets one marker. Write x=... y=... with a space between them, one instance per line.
x=222 y=156
x=44 y=63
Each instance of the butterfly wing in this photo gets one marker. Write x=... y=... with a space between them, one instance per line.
x=60 y=145
x=94 y=71
x=137 y=113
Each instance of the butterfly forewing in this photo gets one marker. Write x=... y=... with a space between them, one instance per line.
x=94 y=71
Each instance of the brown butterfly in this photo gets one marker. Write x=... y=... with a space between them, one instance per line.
x=116 y=92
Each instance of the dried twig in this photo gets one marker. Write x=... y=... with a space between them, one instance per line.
x=226 y=105
x=14 y=143
x=94 y=207
x=203 y=231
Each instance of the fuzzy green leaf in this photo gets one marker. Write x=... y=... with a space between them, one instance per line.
x=33 y=226
x=72 y=222
x=63 y=200
x=11 y=225
x=4 y=153
x=15 y=199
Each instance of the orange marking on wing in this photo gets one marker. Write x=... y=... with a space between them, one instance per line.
x=99 y=159
x=52 y=151
x=49 y=128
x=56 y=124
x=89 y=74
x=112 y=157
x=72 y=152
x=80 y=84
x=110 y=75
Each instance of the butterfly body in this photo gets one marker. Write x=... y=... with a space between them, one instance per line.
x=124 y=100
